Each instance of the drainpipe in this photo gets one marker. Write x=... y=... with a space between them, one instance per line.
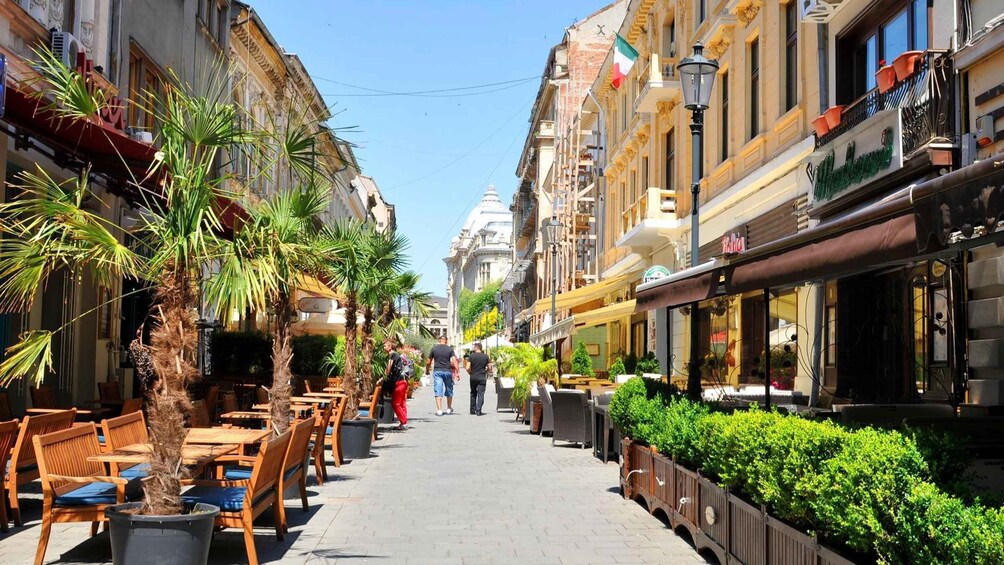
x=819 y=288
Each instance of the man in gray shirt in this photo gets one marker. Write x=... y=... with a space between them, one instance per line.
x=444 y=373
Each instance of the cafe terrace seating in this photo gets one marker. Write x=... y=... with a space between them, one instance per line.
x=242 y=501
x=8 y=435
x=73 y=488
x=122 y=431
x=572 y=418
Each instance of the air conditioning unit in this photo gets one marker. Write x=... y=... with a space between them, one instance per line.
x=821 y=11
x=65 y=47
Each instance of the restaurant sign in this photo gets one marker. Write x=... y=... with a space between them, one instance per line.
x=655 y=273
x=112 y=112
x=869 y=151
x=733 y=243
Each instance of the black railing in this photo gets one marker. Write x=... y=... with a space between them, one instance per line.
x=925 y=98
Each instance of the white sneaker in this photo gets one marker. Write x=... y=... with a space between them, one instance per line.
x=449 y=410
x=439 y=412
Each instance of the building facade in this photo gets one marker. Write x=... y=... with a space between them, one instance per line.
x=480 y=255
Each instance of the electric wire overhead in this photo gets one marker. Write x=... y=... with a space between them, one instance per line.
x=437 y=93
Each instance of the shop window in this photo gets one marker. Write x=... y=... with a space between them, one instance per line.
x=831 y=336
x=717 y=342
x=782 y=340
x=921 y=324
x=883 y=34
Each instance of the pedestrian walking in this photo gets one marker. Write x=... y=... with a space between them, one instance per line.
x=445 y=370
x=477 y=365
x=394 y=379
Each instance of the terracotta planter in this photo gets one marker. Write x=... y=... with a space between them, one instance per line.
x=885 y=77
x=822 y=128
x=833 y=114
x=905 y=64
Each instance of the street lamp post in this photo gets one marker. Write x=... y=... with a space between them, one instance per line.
x=552 y=231
x=697 y=77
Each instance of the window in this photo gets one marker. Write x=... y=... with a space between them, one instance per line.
x=670 y=161
x=702 y=11
x=882 y=35
x=790 y=55
x=754 y=59
x=624 y=202
x=725 y=116
x=144 y=80
x=669 y=39
x=624 y=112
x=644 y=174
x=223 y=23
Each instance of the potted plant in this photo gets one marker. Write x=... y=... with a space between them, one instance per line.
x=832 y=115
x=821 y=126
x=648 y=364
x=905 y=64
x=616 y=368
x=885 y=77
x=582 y=364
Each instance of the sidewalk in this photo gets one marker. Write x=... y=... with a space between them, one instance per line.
x=456 y=489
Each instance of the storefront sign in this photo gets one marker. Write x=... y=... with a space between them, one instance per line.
x=655 y=273
x=867 y=152
x=112 y=113
x=733 y=243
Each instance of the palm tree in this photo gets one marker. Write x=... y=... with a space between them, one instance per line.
x=48 y=228
x=348 y=272
x=385 y=257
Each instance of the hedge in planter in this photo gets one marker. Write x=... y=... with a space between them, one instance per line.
x=868 y=490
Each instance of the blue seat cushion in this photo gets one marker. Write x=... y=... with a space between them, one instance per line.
x=101 y=438
x=238 y=473
x=229 y=499
x=329 y=431
x=99 y=493
x=136 y=471
x=364 y=413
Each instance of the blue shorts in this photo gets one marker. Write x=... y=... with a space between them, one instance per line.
x=442 y=383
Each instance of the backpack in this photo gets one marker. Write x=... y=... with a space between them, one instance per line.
x=406 y=369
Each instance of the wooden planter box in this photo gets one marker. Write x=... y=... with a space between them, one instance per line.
x=733 y=529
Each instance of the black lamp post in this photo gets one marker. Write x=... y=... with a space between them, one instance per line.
x=697 y=78
x=552 y=230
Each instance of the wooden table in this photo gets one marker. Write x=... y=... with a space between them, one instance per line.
x=223 y=436
x=195 y=455
x=333 y=389
x=245 y=415
x=324 y=395
x=91 y=412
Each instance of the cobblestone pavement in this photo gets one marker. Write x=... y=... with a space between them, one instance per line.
x=456 y=489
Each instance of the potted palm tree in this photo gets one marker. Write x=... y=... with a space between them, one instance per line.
x=48 y=228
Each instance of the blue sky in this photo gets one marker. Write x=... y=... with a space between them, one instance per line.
x=431 y=155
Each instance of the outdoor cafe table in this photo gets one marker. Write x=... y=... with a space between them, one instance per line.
x=333 y=389
x=193 y=455
x=222 y=436
x=245 y=415
x=84 y=413
x=323 y=395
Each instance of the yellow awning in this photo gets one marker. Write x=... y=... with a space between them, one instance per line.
x=609 y=313
x=311 y=285
x=584 y=294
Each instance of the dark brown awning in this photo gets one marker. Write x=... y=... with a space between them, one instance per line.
x=690 y=285
x=807 y=258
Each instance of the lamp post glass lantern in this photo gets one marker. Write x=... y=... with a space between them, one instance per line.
x=697 y=75
x=552 y=231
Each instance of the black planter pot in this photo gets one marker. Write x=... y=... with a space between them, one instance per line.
x=386 y=413
x=160 y=540
x=357 y=437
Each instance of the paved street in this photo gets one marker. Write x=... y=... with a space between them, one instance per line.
x=455 y=489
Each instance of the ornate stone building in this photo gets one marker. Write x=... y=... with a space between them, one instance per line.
x=479 y=255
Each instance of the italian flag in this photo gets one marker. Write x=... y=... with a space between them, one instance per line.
x=624 y=58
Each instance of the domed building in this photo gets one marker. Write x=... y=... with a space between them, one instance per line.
x=479 y=255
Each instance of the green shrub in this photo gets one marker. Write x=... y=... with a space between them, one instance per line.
x=647 y=364
x=855 y=496
x=630 y=363
x=241 y=353
x=947 y=460
x=582 y=364
x=616 y=368
x=620 y=405
x=309 y=352
x=680 y=434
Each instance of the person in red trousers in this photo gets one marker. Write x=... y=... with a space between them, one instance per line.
x=395 y=381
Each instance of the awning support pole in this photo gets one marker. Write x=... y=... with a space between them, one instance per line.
x=766 y=349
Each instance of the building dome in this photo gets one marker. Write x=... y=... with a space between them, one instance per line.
x=489 y=210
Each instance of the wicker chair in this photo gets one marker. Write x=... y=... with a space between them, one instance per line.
x=572 y=417
x=503 y=393
x=547 y=411
x=608 y=435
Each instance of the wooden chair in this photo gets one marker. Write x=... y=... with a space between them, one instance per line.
x=42 y=397
x=23 y=466
x=212 y=396
x=8 y=435
x=199 y=417
x=109 y=391
x=5 y=413
x=321 y=427
x=262 y=395
x=229 y=402
x=132 y=405
x=126 y=430
x=334 y=430
x=371 y=409
x=241 y=502
x=73 y=488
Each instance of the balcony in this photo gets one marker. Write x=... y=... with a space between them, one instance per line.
x=649 y=220
x=923 y=100
x=545 y=129
x=658 y=83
